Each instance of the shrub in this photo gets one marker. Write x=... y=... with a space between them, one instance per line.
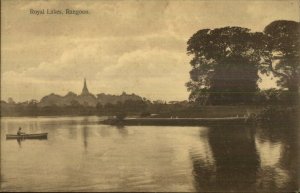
x=278 y=115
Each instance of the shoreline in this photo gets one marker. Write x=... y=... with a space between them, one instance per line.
x=178 y=121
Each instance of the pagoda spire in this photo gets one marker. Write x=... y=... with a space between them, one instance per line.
x=85 y=90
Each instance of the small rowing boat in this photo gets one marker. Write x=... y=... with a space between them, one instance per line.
x=28 y=136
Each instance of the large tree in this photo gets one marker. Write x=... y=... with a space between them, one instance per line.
x=224 y=65
x=283 y=57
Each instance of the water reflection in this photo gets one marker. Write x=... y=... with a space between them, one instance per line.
x=85 y=137
x=247 y=159
x=80 y=155
x=278 y=152
x=122 y=130
x=236 y=161
x=21 y=140
x=19 y=143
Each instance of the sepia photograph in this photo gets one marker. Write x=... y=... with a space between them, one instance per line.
x=150 y=96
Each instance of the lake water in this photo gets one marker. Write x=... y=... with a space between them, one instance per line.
x=82 y=155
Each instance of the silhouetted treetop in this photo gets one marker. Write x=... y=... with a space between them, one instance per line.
x=225 y=64
x=284 y=53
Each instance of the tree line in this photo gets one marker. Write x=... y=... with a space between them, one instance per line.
x=144 y=108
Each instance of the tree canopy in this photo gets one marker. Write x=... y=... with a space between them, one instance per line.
x=225 y=65
x=283 y=48
x=226 y=62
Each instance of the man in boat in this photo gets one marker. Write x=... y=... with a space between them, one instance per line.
x=20 y=132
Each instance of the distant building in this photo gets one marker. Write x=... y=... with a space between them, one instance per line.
x=86 y=98
x=85 y=90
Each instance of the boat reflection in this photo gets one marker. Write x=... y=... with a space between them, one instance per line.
x=20 y=141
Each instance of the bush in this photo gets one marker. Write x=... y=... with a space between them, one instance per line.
x=279 y=115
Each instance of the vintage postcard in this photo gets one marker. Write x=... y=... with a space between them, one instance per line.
x=150 y=95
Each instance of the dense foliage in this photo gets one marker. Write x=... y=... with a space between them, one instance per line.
x=225 y=65
x=278 y=116
x=226 y=62
x=283 y=60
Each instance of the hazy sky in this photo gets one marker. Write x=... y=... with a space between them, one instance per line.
x=132 y=46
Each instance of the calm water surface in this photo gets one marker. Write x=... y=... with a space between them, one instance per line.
x=81 y=155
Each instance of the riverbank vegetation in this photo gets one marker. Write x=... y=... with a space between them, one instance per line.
x=277 y=116
x=146 y=108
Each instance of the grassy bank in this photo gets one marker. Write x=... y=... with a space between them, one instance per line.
x=212 y=111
